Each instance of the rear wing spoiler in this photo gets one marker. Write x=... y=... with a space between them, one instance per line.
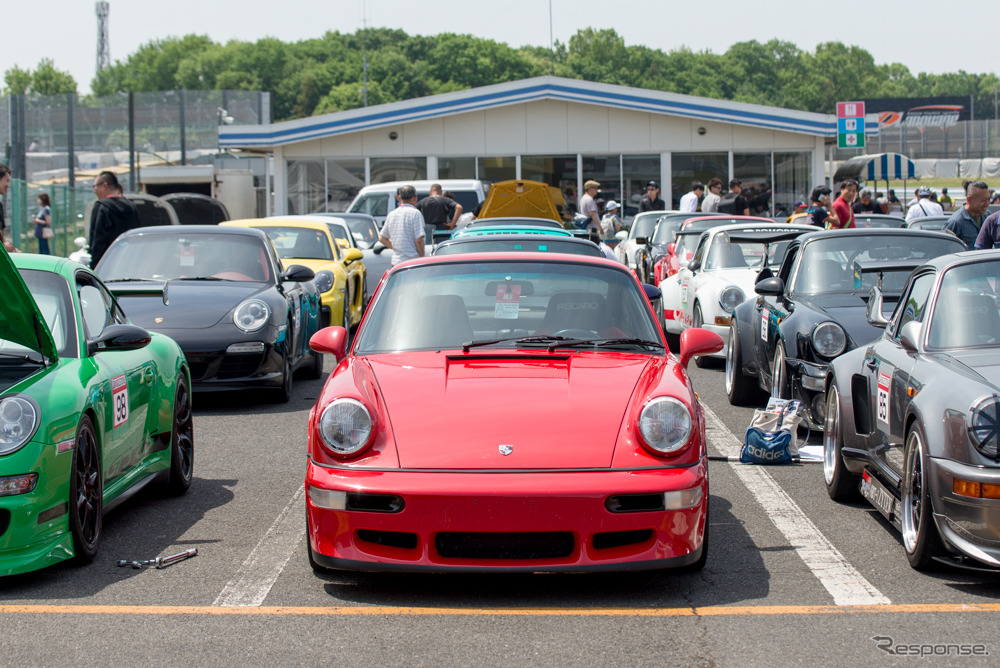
x=881 y=267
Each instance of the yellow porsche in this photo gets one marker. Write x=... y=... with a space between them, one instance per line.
x=340 y=272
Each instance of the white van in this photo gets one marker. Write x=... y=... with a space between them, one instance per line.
x=379 y=199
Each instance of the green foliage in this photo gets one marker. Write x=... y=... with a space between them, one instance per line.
x=45 y=80
x=326 y=74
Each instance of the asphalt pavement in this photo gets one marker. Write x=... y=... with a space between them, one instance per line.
x=791 y=577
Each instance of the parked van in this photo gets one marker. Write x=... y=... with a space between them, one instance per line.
x=379 y=199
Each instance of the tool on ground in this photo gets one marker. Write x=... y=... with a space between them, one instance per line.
x=159 y=562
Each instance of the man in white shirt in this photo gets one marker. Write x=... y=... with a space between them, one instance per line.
x=689 y=202
x=588 y=206
x=923 y=206
x=403 y=230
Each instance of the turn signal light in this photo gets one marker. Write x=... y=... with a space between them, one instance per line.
x=975 y=490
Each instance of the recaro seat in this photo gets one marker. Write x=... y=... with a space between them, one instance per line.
x=441 y=321
x=574 y=310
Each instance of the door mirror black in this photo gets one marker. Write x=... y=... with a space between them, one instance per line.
x=773 y=286
x=120 y=337
x=298 y=274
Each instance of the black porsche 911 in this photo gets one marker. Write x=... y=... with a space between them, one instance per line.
x=243 y=320
x=814 y=309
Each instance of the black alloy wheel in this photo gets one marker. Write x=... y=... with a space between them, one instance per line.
x=182 y=441
x=86 y=495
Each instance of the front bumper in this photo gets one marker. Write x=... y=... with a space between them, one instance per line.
x=808 y=385
x=969 y=525
x=506 y=521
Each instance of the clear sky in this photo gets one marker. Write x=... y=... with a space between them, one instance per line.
x=924 y=35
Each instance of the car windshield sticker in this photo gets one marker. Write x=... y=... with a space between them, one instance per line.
x=187 y=255
x=857 y=275
x=508 y=301
x=883 y=398
x=119 y=400
x=763 y=325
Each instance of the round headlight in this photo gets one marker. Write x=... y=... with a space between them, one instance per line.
x=251 y=315
x=730 y=298
x=829 y=339
x=18 y=422
x=984 y=426
x=665 y=425
x=345 y=426
x=324 y=281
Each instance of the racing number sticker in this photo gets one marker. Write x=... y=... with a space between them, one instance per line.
x=883 y=398
x=763 y=325
x=508 y=302
x=119 y=400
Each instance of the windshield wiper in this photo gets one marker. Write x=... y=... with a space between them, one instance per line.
x=597 y=343
x=132 y=280
x=200 y=278
x=35 y=358
x=519 y=339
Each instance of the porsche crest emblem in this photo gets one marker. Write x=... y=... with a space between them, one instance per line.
x=506 y=449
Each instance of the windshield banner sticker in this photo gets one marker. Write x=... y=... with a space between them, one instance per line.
x=508 y=302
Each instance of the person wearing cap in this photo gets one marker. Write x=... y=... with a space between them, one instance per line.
x=866 y=204
x=689 y=202
x=611 y=223
x=798 y=211
x=651 y=200
x=588 y=205
x=924 y=206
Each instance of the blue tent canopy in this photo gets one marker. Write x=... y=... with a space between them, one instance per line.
x=876 y=167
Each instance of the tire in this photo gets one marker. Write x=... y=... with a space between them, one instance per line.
x=740 y=389
x=779 y=376
x=86 y=494
x=181 y=442
x=284 y=393
x=921 y=541
x=841 y=484
x=697 y=320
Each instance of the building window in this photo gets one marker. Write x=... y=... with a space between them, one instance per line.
x=456 y=168
x=306 y=186
x=637 y=171
x=344 y=178
x=754 y=170
x=791 y=180
x=398 y=169
x=689 y=167
x=497 y=169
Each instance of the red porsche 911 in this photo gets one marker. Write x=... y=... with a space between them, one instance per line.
x=508 y=412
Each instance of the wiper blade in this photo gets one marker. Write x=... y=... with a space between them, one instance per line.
x=200 y=278
x=33 y=357
x=133 y=280
x=519 y=339
x=597 y=343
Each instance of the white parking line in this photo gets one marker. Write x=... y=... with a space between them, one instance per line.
x=835 y=573
x=260 y=571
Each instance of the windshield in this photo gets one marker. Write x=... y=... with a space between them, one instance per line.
x=169 y=256
x=301 y=243
x=965 y=313
x=445 y=305
x=727 y=254
x=827 y=264
x=643 y=226
x=51 y=294
x=374 y=204
x=364 y=231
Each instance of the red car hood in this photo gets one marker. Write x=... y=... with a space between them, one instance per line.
x=554 y=411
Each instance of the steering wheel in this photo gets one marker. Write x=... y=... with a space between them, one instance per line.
x=577 y=333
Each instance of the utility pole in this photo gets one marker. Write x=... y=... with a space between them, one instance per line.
x=103 y=50
x=552 y=50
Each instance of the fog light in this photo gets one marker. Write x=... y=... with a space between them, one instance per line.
x=18 y=484
x=819 y=408
x=329 y=499
x=685 y=498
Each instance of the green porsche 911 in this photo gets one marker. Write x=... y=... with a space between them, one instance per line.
x=92 y=409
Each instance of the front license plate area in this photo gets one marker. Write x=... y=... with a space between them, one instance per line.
x=879 y=496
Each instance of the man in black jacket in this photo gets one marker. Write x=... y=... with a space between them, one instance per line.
x=112 y=215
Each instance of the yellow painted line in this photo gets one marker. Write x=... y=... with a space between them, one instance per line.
x=394 y=611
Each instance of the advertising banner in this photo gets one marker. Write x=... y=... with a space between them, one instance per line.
x=918 y=112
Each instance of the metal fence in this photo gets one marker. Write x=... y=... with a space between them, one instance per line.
x=54 y=143
x=964 y=140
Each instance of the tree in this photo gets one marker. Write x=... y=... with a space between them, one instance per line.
x=45 y=80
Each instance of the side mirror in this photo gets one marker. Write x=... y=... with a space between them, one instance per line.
x=331 y=340
x=378 y=248
x=652 y=292
x=80 y=242
x=909 y=335
x=764 y=273
x=874 y=309
x=119 y=337
x=621 y=235
x=297 y=273
x=696 y=342
x=770 y=287
x=353 y=255
x=694 y=265
x=640 y=241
